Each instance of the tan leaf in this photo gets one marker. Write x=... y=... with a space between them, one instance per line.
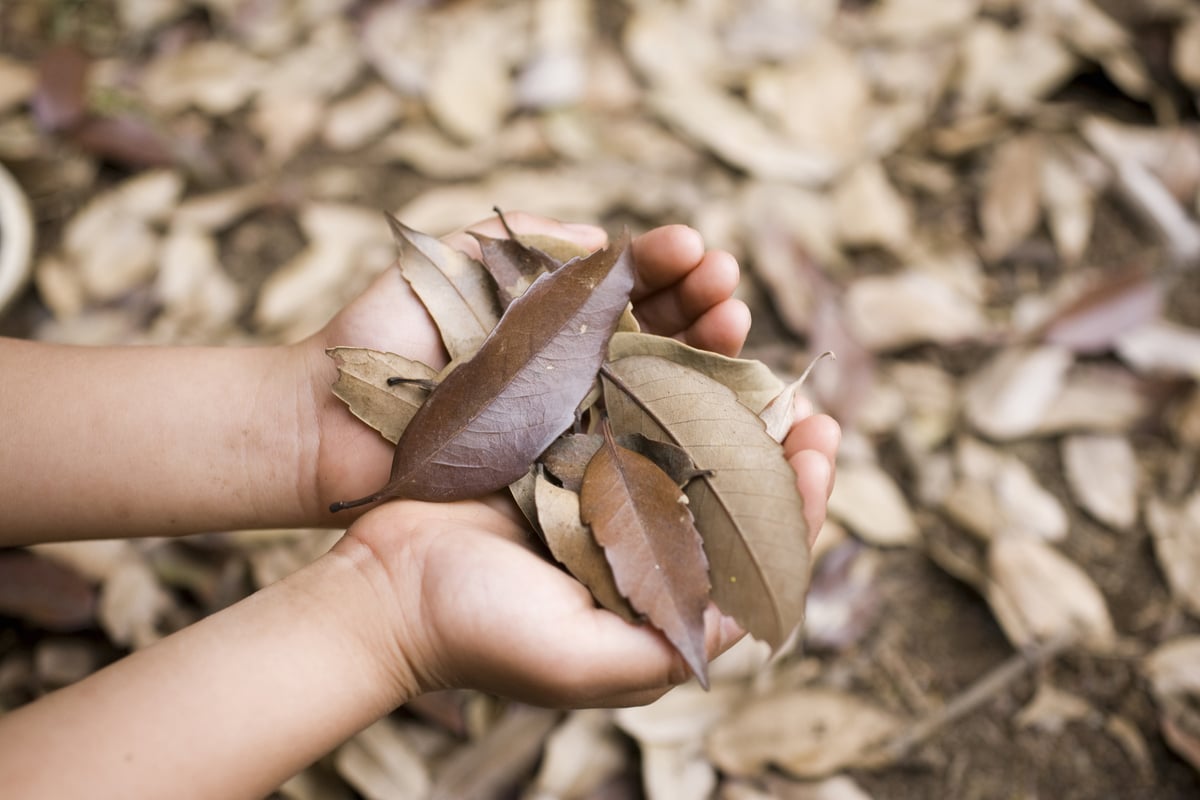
x=1011 y=394
x=752 y=381
x=868 y=501
x=487 y=766
x=1039 y=596
x=869 y=211
x=808 y=733
x=455 y=289
x=572 y=543
x=1102 y=472
x=1174 y=673
x=381 y=763
x=1176 y=532
x=910 y=307
x=580 y=755
x=1162 y=347
x=748 y=510
x=363 y=386
x=1069 y=201
x=1010 y=204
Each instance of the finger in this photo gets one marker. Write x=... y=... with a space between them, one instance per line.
x=663 y=256
x=814 y=479
x=586 y=236
x=722 y=329
x=675 y=307
x=819 y=432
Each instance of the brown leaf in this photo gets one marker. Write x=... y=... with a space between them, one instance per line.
x=641 y=519
x=779 y=414
x=61 y=97
x=363 y=385
x=488 y=766
x=455 y=288
x=513 y=264
x=1114 y=306
x=45 y=593
x=1010 y=205
x=748 y=510
x=568 y=457
x=125 y=139
x=572 y=543
x=489 y=418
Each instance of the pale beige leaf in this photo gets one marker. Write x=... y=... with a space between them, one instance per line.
x=675 y=772
x=1069 y=200
x=356 y=120
x=1011 y=68
x=1103 y=474
x=1096 y=397
x=380 y=763
x=17 y=83
x=1174 y=673
x=1162 y=347
x=752 y=381
x=997 y=494
x=580 y=755
x=1185 y=55
x=131 y=604
x=191 y=283
x=808 y=733
x=1052 y=709
x=1010 y=204
x=493 y=762
x=470 y=89
x=684 y=714
x=572 y=543
x=1009 y=396
x=869 y=211
x=914 y=21
x=887 y=312
x=748 y=510
x=868 y=502
x=211 y=75
x=1176 y=532
x=362 y=385
x=1039 y=596
x=730 y=130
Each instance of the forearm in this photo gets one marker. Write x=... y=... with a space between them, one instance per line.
x=229 y=707
x=133 y=441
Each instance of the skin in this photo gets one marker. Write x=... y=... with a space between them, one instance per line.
x=104 y=442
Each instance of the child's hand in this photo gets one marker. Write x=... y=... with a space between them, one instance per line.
x=470 y=604
x=681 y=291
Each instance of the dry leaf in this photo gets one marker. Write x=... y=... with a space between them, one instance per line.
x=534 y=368
x=869 y=211
x=1010 y=206
x=213 y=75
x=752 y=381
x=640 y=516
x=44 y=593
x=1100 y=316
x=470 y=89
x=843 y=598
x=1011 y=394
x=1068 y=199
x=1174 y=673
x=487 y=766
x=454 y=287
x=748 y=510
x=131 y=604
x=364 y=384
x=868 y=502
x=513 y=264
x=673 y=772
x=1176 y=532
x=381 y=763
x=17 y=83
x=1053 y=709
x=808 y=733
x=1102 y=472
x=582 y=753
x=1162 y=347
x=1097 y=397
x=572 y=543
x=910 y=307
x=1039 y=596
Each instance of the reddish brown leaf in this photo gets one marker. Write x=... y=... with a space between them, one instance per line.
x=60 y=100
x=44 y=593
x=488 y=420
x=1094 y=321
x=513 y=264
x=568 y=457
x=125 y=139
x=641 y=519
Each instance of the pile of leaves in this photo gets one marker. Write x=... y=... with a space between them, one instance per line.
x=594 y=426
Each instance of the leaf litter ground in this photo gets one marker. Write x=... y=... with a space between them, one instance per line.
x=931 y=91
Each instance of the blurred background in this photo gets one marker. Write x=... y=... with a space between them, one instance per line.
x=986 y=208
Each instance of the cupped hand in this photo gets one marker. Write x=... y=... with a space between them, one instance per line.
x=681 y=290
x=472 y=604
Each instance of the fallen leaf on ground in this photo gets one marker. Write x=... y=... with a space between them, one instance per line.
x=1176 y=534
x=381 y=763
x=1103 y=474
x=1011 y=394
x=868 y=502
x=1174 y=674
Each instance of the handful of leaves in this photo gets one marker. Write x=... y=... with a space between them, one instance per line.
x=653 y=471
